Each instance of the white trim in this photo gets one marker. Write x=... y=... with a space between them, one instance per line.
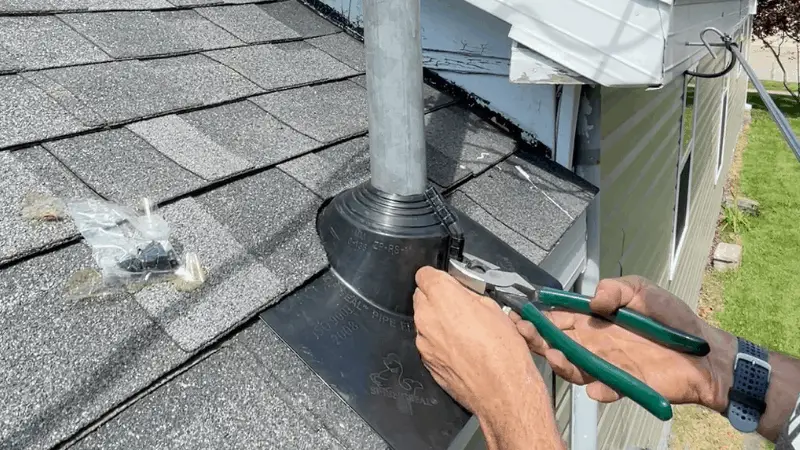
x=588 y=41
x=675 y=250
x=724 y=108
x=529 y=67
x=584 y=415
x=566 y=122
x=584 y=411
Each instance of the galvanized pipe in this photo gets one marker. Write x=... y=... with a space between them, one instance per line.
x=394 y=91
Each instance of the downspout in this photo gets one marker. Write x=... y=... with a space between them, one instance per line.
x=583 y=425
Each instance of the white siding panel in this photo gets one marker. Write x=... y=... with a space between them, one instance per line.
x=689 y=18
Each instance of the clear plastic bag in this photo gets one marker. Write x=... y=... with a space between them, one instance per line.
x=130 y=246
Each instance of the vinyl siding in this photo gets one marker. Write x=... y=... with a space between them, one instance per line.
x=639 y=140
x=639 y=174
x=563 y=404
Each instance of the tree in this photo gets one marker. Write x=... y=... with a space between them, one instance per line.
x=776 y=24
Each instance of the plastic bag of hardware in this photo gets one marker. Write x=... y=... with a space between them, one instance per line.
x=131 y=246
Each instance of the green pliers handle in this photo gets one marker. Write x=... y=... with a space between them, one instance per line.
x=601 y=370
x=630 y=320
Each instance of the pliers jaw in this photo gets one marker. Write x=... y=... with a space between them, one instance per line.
x=507 y=288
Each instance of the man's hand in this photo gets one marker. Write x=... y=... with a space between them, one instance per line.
x=474 y=351
x=678 y=377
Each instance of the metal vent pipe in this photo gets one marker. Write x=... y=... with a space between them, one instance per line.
x=394 y=91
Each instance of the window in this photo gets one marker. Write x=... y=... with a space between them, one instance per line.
x=741 y=42
x=688 y=122
x=723 y=122
x=683 y=178
x=682 y=204
x=742 y=51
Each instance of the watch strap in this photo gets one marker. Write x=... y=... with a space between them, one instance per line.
x=747 y=396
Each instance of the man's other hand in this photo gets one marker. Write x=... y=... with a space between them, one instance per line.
x=678 y=377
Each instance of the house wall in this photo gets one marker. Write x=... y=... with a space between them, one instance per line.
x=641 y=133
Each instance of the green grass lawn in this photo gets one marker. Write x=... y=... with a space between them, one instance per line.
x=776 y=85
x=762 y=298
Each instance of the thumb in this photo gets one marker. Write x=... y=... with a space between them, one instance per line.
x=602 y=393
x=614 y=293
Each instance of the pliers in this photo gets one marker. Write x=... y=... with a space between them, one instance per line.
x=512 y=290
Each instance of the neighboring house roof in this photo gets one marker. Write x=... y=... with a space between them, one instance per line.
x=240 y=120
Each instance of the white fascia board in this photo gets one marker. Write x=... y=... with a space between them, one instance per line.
x=689 y=19
x=612 y=43
x=529 y=67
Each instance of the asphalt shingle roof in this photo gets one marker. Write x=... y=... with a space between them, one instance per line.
x=241 y=118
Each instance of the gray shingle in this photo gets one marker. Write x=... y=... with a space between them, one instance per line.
x=274 y=66
x=23 y=6
x=300 y=18
x=127 y=90
x=208 y=2
x=274 y=217
x=521 y=205
x=431 y=97
x=332 y=170
x=236 y=285
x=325 y=112
x=66 y=362
x=197 y=30
x=246 y=130
x=65 y=98
x=203 y=80
x=38 y=42
x=344 y=48
x=227 y=401
x=346 y=165
x=117 y=91
x=248 y=23
x=33 y=171
x=123 y=167
x=100 y=5
x=570 y=191
x=196 y=2
x=121 y=91
x=189 y=147
x=466 y=138
x=27 y=114
x=443 y=170
x=307 y=392
x=9 y=63
x=147 y=33
x=519 y=243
